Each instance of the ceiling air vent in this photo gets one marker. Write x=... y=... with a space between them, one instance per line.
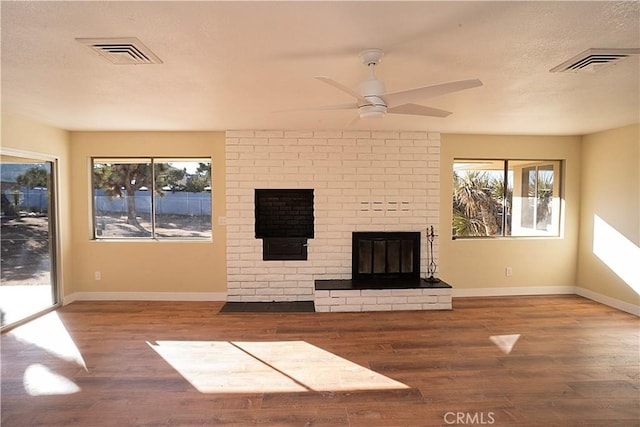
x=122 y=51
x=594 y=59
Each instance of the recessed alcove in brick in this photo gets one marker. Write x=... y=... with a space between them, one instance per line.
x=284 y=222
x=284 y=212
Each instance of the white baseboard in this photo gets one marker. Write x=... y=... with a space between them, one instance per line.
x=612 y=302
x=498 y=292
x=145 y=296
x=549 y=290
x=456 y=293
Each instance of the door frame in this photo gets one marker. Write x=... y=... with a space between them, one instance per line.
x=54 y=233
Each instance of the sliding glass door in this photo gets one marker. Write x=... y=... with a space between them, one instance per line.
x=27 y=239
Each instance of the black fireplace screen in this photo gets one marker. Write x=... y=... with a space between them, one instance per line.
x=386 y=254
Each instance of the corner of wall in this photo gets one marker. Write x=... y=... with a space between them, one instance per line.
x=609 y=239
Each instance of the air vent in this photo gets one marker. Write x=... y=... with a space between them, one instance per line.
x=122 y=51
x=593 y=60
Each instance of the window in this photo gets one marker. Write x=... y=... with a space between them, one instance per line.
x=500 y=198
x=151 y=198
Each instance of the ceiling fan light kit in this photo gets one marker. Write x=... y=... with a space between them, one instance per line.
x=372 y=110
x=374 y=101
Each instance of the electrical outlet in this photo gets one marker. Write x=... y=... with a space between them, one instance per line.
x=97 y=275
x=508 y=272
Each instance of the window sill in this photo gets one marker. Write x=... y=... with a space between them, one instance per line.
x=469 y=238
x=139 y=240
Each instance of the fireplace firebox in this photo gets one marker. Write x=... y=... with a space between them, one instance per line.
x=383 y=256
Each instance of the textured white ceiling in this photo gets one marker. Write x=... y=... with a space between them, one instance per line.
x=235 y=65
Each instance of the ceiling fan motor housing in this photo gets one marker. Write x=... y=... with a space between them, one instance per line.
x=372 y=90
x=372 y=87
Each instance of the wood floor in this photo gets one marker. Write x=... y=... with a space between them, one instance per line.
x=530 y=361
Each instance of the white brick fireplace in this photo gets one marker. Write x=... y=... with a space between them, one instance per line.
x=362 y=181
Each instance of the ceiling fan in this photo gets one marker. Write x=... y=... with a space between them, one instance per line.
x=374 y=101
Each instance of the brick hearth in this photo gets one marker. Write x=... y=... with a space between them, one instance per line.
x=377 y=295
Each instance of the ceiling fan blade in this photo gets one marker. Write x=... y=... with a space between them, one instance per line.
x=406 y=96
x=342 y=87
x=353 y=121
x=349 y=106
x=418 y=110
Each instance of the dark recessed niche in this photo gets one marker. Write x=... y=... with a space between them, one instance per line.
x=284 y=213
x=284 y=248
x=284 y=222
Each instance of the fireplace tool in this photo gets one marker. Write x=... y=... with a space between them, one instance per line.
x=431 y=268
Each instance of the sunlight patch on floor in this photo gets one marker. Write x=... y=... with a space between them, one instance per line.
x=505 y=342
x=273 y=366
x=49 y=333
x=620 y=254
x=39 y=380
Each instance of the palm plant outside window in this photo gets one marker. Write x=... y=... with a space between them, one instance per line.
x=506 y=198
x=152 y=198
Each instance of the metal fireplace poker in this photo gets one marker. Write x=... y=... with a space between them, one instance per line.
x=431 y=267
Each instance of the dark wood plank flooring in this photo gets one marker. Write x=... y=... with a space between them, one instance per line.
x=530 y=361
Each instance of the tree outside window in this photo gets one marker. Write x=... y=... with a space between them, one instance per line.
x=152 y=198
x=499 y=198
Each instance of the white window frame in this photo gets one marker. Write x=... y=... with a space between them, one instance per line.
x=512 y=220
x=152 y=161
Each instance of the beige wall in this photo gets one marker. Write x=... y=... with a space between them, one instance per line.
x=31 y=138
x=601 y=178
x=146 y=266
x=535 y=262
x=611 y=191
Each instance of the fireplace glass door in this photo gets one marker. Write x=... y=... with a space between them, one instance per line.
x=386 y=255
